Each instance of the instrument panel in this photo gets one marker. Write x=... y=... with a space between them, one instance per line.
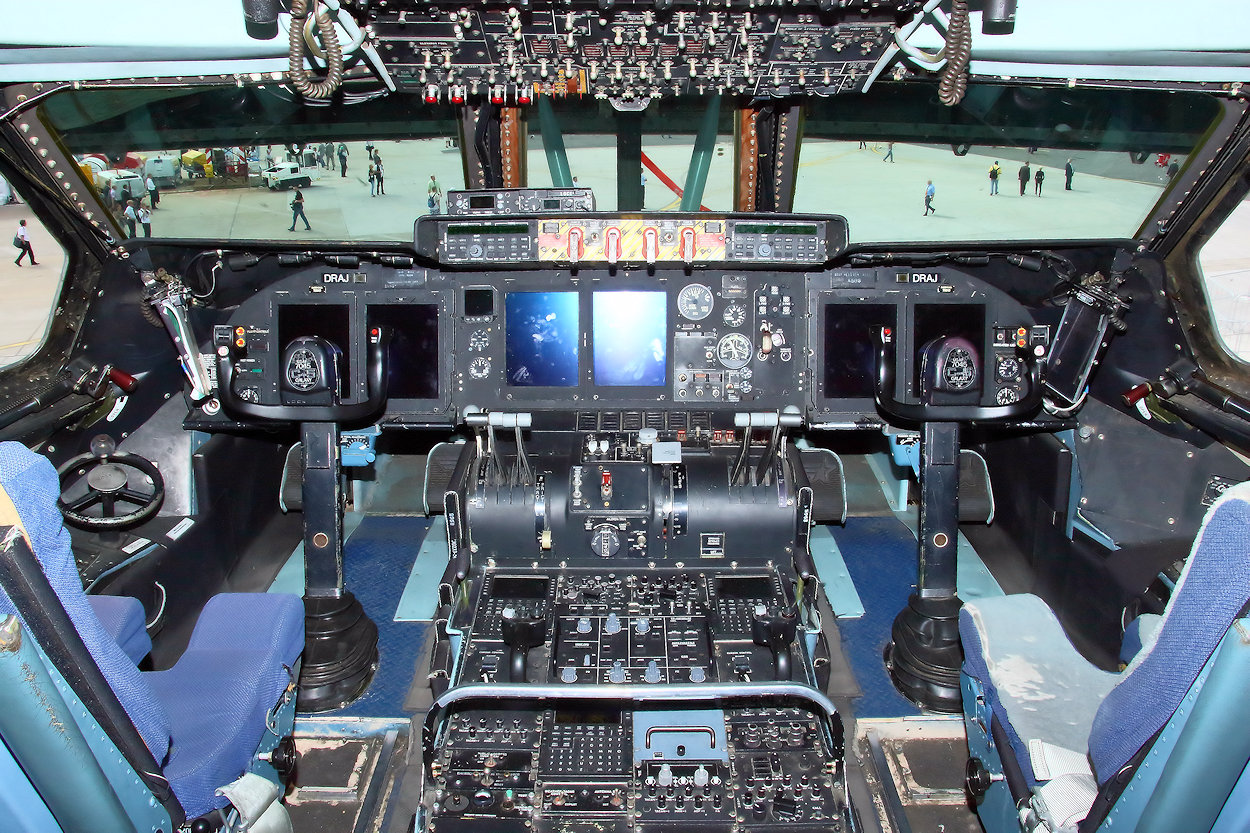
x=630 y=240
x=632 y=51
x=571 y=342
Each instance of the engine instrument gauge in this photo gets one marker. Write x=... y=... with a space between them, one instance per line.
x=479 y=368
x=734 y=315
x=479 y=340
x=695 y=302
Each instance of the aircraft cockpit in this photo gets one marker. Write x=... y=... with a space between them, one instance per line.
x=625 y=417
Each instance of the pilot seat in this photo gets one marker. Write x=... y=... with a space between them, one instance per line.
x=1054 y=739
x=205 y=717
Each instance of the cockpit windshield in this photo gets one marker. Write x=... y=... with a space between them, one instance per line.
x=227 y=161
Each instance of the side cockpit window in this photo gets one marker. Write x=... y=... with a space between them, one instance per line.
x=1225 y=264
x=30 y=279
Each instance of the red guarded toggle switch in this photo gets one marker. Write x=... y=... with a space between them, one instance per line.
x=687 y=245
x=650 y=245
x=612 y=245
x=577 y=246
x=605 y=485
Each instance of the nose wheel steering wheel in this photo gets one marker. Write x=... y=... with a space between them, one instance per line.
x=96 y=489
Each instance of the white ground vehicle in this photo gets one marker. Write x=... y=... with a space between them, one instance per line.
x=288 y=175
x=166 y=171
x=118 y=182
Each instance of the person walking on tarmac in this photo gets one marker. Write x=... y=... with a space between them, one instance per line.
x=342 y=159
x=1025 y=175
x=297 y=211
x=22 y=241
x=1037 y=181
x=995 y=173
x=929 y=191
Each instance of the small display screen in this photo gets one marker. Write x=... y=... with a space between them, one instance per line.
x=488 y=228
x=947 y=320
x=850 y=359
x=519 y=587
x=630 y=332
x=480 y=201
x=479 y=302
x=550 y=205
x=772 y=228
x=329 y=321
x=412 y=356
x=542 y=339
x=744 y=587
x=589 y=717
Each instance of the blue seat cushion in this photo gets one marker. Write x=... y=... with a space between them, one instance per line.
x=123 y=619
x=1038 y=685
x=1211 y=592
x=220 y=691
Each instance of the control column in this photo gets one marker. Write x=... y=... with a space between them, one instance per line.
x=925 y=657
x=340 y=641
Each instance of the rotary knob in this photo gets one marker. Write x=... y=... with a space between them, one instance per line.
x=605 y=542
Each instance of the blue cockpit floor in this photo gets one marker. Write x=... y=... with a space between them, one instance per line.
x=880 y=553
x=377 y=560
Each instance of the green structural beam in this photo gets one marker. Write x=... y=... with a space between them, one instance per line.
x=553 y=143
x=701 y=157
x=629 y=190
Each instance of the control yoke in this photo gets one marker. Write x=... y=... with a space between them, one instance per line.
x=375 y=374
x=927 y=412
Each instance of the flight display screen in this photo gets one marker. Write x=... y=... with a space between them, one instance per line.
x=412 y=355
x=850 y=359
x=542 y=339
x=630 y=333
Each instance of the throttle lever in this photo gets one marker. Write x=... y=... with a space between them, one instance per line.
x=520 y=634
x=775 y=630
